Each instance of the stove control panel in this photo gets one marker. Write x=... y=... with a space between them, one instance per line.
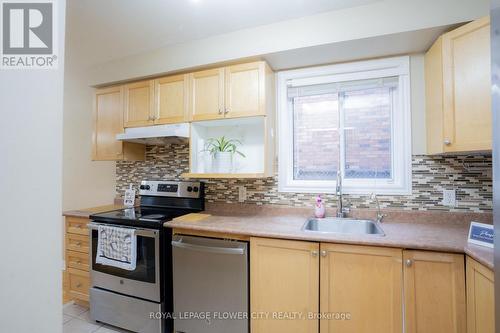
x=171 y=189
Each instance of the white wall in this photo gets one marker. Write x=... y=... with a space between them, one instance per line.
x=30 y=196
x=377 y=19
x=85 y=183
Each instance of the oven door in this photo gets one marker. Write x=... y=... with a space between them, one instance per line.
x=144 y=281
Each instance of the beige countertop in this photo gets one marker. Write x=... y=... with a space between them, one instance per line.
x=434 y=231
x=482 y=254
x=86 y=212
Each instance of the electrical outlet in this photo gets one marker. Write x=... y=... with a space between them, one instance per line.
x=449 y=198
x=242 y=193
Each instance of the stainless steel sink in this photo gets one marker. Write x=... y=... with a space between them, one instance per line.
x=343 y=226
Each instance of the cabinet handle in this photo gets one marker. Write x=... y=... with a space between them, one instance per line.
x=408 y=262
x=78 y=243
x=323 y=253
x=78 y=262
x=314 y=253
x=78 y=285
x=447 y=142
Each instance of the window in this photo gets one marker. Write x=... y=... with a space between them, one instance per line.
x=353 y=118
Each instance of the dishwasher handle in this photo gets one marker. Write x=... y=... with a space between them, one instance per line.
x=210 y=249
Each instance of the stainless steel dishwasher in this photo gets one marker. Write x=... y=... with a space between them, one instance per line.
x=210 y=280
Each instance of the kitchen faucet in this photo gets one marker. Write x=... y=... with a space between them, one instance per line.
x=338 y=192
x=380 y=216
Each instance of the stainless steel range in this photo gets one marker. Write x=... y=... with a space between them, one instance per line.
x=126 y=298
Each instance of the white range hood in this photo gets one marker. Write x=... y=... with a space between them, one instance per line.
x=156 y=135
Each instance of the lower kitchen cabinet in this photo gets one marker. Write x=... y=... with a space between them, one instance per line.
x=76 y=277
x=434 y=289
x=364 y=283
x=480 y=298
x=353 y=288
x=284 y=280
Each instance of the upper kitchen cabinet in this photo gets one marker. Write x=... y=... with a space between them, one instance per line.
x=458 y=90
x=139 y=103
x=245 y=93
x=108 y=122
x=242 y=90
x=207 y=94
x=171 y=99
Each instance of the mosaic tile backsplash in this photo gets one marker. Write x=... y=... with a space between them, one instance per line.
x=471 y=176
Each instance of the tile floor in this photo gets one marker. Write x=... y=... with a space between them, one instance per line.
x=76 y=319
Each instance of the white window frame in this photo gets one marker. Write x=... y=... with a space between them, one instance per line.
x=401 y=182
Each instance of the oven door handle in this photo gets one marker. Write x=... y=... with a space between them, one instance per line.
x=138 y=231
x=211 y=249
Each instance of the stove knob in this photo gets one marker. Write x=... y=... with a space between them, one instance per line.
x=148 y=187
x=142 y=187
x=189 y=189
x=195 y=189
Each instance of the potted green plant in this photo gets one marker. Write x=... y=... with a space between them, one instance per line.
x=222 y=151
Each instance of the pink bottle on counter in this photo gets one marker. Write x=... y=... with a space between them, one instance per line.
x=319 y=208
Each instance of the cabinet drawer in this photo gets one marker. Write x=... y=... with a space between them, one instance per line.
x=77 y=260
x=79 y=284
x=75 y=225
x=77 y=243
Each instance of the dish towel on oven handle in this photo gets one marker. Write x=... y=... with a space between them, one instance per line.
x=117 y=247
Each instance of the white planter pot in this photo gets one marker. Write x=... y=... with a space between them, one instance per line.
x=223 y=162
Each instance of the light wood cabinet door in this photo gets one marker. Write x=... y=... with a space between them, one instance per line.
x=480 y=298
x=78 y=284
x=458 y=90
x=434 y=289
x=207 y=94
x=245 y=90
x=467 y=82
x=108 y=121
x=139 y=103
x=364 y=283
x=171 y=98
x=284 y=279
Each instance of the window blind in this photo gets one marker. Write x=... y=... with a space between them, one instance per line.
x=295 y=90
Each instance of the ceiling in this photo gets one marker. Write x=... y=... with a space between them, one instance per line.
x=102 y=30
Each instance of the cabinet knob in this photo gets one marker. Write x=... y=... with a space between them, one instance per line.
x=323 y=253
x=226 y=111
x=78 y=285
x=220 y=111
x=78 y=243
x=78 y=262
x=314 y=253
x=408 y=262
x=447 y=142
